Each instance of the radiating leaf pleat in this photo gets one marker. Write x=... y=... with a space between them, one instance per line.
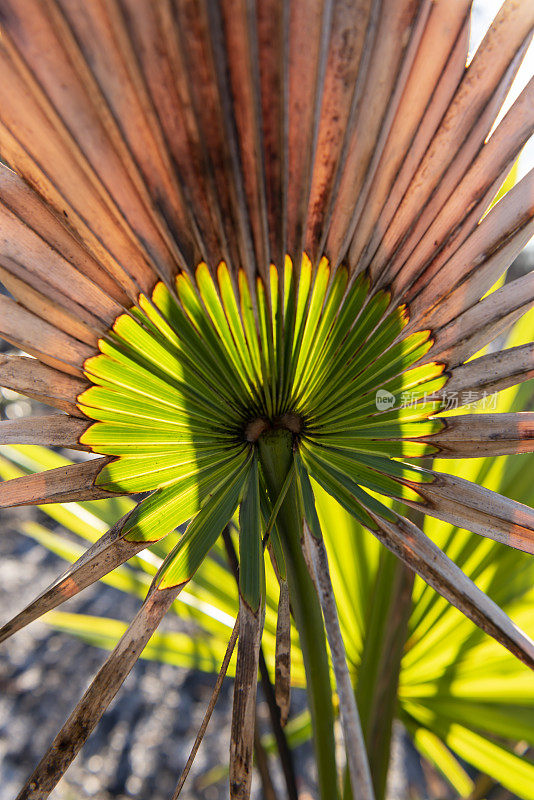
x=121 y=438
x=247 y=348
x=374 y=472
x=492 y=372
x=174 y=504
x=141 y=473
x=210 y=297
x=190 y=334
x=480 y=324
x=50 y=386
x=368 y=318
x=348 y=313
x=395 y=361
x=350 y=495
x=41 y=339
x=341 y=90
x=60 y=485
x=477 y=509
x=481 y=435
x=48 y=303
x=129 y=386
x=205 y=528
x=373 y=445
x=58 y=430
x=155 y=355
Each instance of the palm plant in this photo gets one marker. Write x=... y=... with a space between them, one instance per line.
x=246 y=247
x=444 y=698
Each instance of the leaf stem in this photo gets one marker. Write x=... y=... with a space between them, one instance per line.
x=317 y=559
x=284 y=751
x=276 y=459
